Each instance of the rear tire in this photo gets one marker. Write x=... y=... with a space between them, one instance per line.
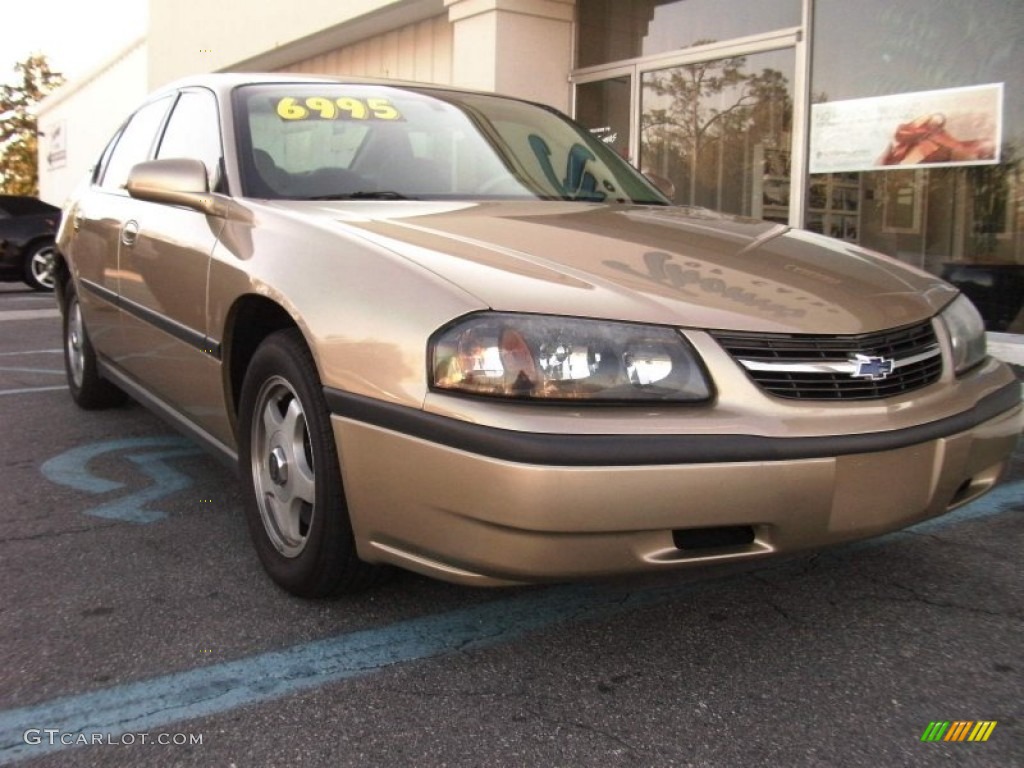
x=88 y=389
x=295 y=503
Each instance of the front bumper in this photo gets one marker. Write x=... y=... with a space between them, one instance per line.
x=456 y=502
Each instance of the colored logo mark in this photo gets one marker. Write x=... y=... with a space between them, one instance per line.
x=874 y=368
x=959 y=730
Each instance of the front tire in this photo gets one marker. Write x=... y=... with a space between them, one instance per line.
x=88 y=389
x=39 y=266
x=295 y=503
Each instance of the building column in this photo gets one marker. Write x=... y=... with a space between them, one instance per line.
x=519 y=48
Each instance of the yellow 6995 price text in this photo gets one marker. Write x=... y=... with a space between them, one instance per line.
x=345 y=108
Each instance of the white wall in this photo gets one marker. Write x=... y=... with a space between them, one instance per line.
x=517 y=47
x=421 y=51
x=80 y=118
x=192 y=36
x=514 y=47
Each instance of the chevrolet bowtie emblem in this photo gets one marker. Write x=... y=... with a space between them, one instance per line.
x=874 y=368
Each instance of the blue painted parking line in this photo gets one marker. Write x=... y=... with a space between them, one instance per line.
x=149 y=454
x=210 y=690
x=166 y=480
x=71 y=468
x=990 y=504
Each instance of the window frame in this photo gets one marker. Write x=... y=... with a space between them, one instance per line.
x=100 y=177
x=792 y=38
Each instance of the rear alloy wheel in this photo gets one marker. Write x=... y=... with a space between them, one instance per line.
x=39 y=265
x=88 y=389
x=295 y=504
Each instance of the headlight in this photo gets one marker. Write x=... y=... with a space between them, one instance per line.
x=966 y=332
x=537 y=357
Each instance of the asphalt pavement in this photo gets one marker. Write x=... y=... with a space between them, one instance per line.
x=137 y=628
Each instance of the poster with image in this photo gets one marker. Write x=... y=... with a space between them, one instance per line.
x=949 y=127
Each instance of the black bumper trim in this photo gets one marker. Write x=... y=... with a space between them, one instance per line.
x=638 y=450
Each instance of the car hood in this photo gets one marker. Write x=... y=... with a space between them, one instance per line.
x=666 y=265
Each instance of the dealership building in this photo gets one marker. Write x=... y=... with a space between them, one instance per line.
x=897 y=125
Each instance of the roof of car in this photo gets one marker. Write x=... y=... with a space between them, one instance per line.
x=224 y=82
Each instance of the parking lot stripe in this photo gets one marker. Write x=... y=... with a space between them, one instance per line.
x=56 y=351
x=8 y=369
x=27 y=390
x=209 y=690
x=29 y=314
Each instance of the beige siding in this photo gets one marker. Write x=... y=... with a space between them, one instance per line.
x=190 y=36
x=421 y=51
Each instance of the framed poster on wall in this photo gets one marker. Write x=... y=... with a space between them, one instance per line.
x=948 y=127
x=902 y=197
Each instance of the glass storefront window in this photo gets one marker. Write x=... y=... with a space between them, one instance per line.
x=940 y=180
x=614 y=30
x=603 y=107
x=945 y=190
x=720 y=131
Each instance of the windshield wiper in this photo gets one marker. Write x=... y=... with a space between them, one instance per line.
x=380 y=194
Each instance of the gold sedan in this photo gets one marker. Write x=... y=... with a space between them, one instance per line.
x=455 y=333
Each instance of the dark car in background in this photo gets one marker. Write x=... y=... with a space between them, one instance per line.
x=28 y=227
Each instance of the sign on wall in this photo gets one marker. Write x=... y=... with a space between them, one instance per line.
x=949 y=127
x=56 y=154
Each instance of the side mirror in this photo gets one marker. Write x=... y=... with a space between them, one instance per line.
x=176 y=181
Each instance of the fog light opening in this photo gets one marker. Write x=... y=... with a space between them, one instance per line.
x=962 y=492
x=971 y=489
x=723 y=537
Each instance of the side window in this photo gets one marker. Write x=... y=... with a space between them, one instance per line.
x=193 y=131
x=135 y=143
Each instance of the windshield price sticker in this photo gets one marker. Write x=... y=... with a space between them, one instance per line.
x=343 y=108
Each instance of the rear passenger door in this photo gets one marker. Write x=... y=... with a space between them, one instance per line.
x=97 y=221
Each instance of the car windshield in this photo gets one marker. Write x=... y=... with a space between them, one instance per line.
x=331 y=141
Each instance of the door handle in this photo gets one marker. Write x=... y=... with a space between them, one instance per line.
x=130 y=232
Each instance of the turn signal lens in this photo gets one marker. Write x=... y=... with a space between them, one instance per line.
x=541 y=357
x=966 y=334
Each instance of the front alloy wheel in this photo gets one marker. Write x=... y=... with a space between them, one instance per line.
x=295 y=502
x=282 y=467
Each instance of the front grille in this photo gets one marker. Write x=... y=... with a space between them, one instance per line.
x=810 y=367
